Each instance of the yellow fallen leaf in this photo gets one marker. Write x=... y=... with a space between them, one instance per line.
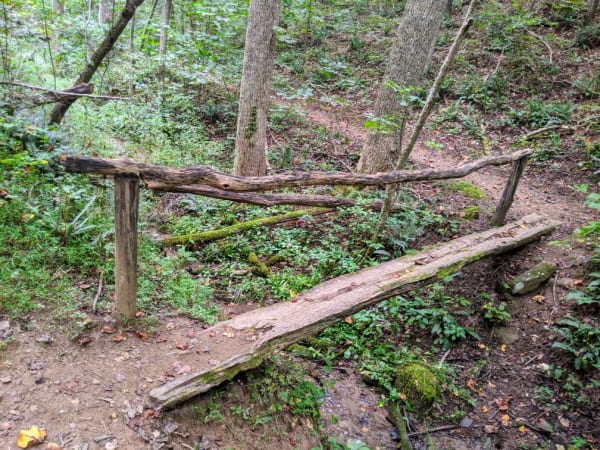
x=522 y=429
x=484 y=409
x=31 y=437
x=505 y=419
x=503 y=347
x=348 y=319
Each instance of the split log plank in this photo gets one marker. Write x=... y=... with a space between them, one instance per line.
x=204 y=175
x=245 y=341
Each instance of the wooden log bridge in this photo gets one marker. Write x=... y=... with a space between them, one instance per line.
x=246 y=340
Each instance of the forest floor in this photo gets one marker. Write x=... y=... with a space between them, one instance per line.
x=92 y=391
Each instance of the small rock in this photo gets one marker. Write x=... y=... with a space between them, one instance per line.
x=6 y=380
x=507 y=335
x=533 y=278
x=490 y=429
x=110 y=445
x=466 y=422
x=44 y=339
x=35 y=365
x=39 y=378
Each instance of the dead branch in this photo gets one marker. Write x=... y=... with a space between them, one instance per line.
x=204 y=175
x=535 y=133
x=80 y=90
x=213 y=235
x=324 y=201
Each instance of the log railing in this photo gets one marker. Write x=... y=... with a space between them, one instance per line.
x=203 y=180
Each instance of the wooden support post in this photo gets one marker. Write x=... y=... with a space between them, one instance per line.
x=126 y=218
x=509 y=191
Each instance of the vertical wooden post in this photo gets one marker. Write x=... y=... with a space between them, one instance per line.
x=509 y=192
x=126 y=218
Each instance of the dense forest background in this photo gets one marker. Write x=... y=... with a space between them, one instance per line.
x=527 y=75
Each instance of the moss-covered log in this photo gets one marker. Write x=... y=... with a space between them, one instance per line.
x=213 y=235
x=246 y=340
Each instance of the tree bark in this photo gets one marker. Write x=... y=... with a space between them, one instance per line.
x=60 y=109
x=103 y=13
x=251 y=135
x=591 y=12
x=246 y=340
x=408 y=60
x=162 y=47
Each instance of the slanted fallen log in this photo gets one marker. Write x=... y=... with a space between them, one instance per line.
x=246 y=340
x=213 y=235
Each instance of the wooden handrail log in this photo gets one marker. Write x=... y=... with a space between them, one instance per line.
x=204 y=175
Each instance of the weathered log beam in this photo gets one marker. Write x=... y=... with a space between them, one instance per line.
x=203 y=175
x=253 y=198
x=246 y=340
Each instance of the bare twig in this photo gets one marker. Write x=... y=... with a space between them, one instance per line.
x=535 y=133
x=61 y=94
x=98 y=292
x=433 y=430
x=537 y=36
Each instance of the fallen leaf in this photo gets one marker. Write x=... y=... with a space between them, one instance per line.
x=502 y=404
x=522 y=428
x=484 y=409
x=84 y=340
x=364 y=429
x=212 y=333
x=482 y=346
x=143 y=336
x=505 y=418
x=503 y=347
x=158 y=337
x=147 y=413
x=118 y=337
x=107 y=329
x=7 y=426
x=31 y=437
x=471 y=384
x=348 y=319
x=140 y=314
x=229 y=332
x=53 y=446
x=539 y=298
x=181 y=345
x=191 y=334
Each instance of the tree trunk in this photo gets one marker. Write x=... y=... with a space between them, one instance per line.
x=103 y=13
x=59 y=7
x=251 y=136
x=162 y=47
x=409 y=58
x=591 y=12
x=60 y=109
